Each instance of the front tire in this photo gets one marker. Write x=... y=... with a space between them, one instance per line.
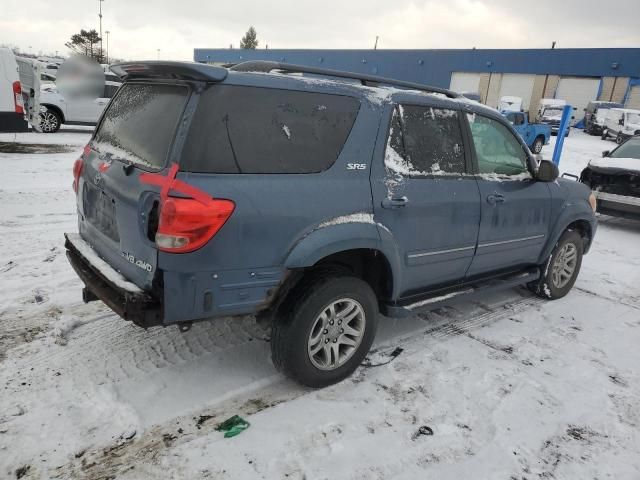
x=562 y=268
x=325 y=331
x=50 y=121
x=537 y=145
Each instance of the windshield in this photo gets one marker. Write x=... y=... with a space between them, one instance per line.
x=633 y=118
x=139 y=125
x=552 y=112
x=629 y=149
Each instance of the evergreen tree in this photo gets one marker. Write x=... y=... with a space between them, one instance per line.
x=250 y=39
x=86 y=43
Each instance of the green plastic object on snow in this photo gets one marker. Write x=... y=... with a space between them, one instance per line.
x=233 y=426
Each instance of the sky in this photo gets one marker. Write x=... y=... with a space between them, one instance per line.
x=138 y=28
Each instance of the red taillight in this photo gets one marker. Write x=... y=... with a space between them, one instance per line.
x=78 y=166
x=186 y=224
x=17 y=98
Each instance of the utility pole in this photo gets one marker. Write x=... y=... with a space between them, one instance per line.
x=553 y=45
x=107 y=56
x=100 y=15
x=375 y=46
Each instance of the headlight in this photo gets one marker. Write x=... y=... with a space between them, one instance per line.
x=592 y=201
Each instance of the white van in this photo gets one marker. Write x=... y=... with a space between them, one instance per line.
x=621 y=124
x=11 y=104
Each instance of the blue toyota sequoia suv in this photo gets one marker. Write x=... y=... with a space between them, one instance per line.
x=313 y=199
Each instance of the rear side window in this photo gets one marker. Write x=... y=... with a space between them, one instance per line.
x=425 y=141
x=258 y=130
x=140 y=122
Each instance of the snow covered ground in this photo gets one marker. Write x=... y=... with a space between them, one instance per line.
x=508 y=388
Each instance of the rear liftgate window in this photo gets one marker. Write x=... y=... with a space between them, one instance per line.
x=260 y=130
x=140 y=123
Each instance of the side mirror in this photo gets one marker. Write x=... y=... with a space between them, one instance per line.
x=547 y=171
x=605 y=153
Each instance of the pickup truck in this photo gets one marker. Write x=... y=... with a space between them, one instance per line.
x=535 y=135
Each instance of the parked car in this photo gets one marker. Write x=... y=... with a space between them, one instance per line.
x=11 y=102
x=313 y=203
x=57 y=109
x=548 y=102
x=615 y=180
x=621 y=123
x=595 y=116
x=552 y=115
x=535 y=135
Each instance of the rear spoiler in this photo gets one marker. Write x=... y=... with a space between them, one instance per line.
x=169 y=70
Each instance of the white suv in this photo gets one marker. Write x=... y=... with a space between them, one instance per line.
x=56 y=109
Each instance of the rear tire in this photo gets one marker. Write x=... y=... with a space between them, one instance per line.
x=561 y=269
x=50 y=121
x=326 y=329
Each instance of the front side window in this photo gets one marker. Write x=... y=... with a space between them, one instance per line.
x=425 y=141
x=497 y=149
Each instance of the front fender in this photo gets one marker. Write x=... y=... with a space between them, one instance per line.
x=574 y=209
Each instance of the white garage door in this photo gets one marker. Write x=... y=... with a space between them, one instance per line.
x=578 y=92
x=464 y=82
x=517 y=85
x=633 y=100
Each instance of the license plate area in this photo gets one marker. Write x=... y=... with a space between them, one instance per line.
x=100 y=210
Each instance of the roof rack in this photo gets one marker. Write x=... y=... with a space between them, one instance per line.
x=370 y=80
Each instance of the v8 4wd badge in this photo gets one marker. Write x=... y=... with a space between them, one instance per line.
x=138 y=263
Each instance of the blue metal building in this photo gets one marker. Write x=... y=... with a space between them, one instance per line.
x=577 y=75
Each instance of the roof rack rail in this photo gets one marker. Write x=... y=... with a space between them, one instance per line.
x=268 y=66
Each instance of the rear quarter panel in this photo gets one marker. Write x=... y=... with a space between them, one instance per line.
x=274 y=213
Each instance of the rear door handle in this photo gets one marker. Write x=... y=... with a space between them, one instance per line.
x=495 y=198
x=395 y=202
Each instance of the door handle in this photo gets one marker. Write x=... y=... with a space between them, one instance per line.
x=394 y=202
x=495 y=198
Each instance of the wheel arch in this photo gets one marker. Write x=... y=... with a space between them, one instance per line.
x=571 y=221
x=56 y=109
x=354 y=247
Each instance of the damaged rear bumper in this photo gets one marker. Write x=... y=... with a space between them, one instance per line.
x=104 y=283
x=618 y=205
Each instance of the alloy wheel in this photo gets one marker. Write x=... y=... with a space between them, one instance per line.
x=336 y=334
x=48 y=122
x=564 y=265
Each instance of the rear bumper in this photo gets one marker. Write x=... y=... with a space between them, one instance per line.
x=618 y=205
x=104 y=283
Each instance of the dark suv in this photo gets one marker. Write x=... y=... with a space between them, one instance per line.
x=313 y=199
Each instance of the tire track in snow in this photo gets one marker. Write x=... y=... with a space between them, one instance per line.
x=146 y=450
